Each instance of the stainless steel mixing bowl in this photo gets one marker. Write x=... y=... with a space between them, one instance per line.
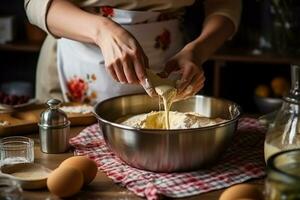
x=167 y=150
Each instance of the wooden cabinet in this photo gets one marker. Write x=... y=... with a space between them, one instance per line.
x=18 y=58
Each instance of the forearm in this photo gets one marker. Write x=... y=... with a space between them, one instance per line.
x=65 y=19
x=215 y=32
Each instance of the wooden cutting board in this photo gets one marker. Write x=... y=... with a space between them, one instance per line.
x=25 y=120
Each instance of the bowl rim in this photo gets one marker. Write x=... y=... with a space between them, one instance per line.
x=222 y=124
x=274 y=99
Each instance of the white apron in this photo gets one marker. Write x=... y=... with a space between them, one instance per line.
x=82 y=74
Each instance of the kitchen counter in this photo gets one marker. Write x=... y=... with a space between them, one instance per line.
x=101 y=187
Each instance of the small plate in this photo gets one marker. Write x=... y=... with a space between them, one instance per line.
x=28 y=175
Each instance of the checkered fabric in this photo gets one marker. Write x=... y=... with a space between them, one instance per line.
x=242 y=161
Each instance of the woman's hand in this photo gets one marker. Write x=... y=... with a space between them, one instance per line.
x=124 y=58
x=192 y=75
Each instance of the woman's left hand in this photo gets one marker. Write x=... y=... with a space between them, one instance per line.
x=192 y=75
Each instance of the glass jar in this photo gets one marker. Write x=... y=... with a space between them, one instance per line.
x=16 y=149
x=284 y=132
x=283 y=180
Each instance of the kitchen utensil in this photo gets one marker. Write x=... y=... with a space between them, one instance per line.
x=16 y=149
x=167 y=150
x=54 y=129
x=28 y=175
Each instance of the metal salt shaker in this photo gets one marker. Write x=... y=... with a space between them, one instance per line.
x=54 y=128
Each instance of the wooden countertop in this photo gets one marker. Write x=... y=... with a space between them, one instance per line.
x=101 y=187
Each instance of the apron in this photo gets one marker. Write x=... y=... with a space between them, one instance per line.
x=81 y=70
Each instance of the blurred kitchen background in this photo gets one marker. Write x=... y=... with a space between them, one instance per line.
x=253 y=69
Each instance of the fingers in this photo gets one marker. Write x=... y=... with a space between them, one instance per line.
x=124 y=58
x=145 y=60
x=118 y=68
x=148 y=87
x=198 y=83
x=130 y=72
x=140 y=63
x=128 y=69
x=188 y=74
x=112 y=72
x=195 y=86
x=139 y=66
x=131 y=69
x=192 y=86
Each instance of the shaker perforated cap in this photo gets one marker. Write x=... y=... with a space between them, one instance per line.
x=53 y=116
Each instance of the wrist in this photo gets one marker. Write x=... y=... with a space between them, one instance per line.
x=195 y=50
x=101 y=24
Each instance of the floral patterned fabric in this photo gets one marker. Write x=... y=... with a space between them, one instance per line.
x=81 y=68
x=78 y=89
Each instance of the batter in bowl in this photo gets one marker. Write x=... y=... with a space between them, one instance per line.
x=177 y=120
x=168 y=119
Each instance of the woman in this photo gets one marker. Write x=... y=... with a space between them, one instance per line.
x=103 y=46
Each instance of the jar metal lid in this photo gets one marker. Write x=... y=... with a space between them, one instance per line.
x=53 y=116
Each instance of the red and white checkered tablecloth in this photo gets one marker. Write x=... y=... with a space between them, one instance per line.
x=242 y=161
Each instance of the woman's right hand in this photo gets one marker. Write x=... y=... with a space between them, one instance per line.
x=124 y=58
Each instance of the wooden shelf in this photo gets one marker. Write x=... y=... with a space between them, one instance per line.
x=254 y=56
x=24 y=46
x=227 y=54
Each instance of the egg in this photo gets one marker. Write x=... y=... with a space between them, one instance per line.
x=242 y=191
x=87 y=166
x=65 y=181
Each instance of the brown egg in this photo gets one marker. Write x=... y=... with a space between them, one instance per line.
x=87 y=166
x=65 y=181
x=242 y=191
x=245 y=199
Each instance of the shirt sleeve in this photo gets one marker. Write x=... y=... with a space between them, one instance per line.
x=36 y=11
x=228 y=8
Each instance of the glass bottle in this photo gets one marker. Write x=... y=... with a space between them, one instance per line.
x=10 y=189
x=283 y=180
x=284 y=133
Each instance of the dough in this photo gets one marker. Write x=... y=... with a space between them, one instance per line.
x=178 y=120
